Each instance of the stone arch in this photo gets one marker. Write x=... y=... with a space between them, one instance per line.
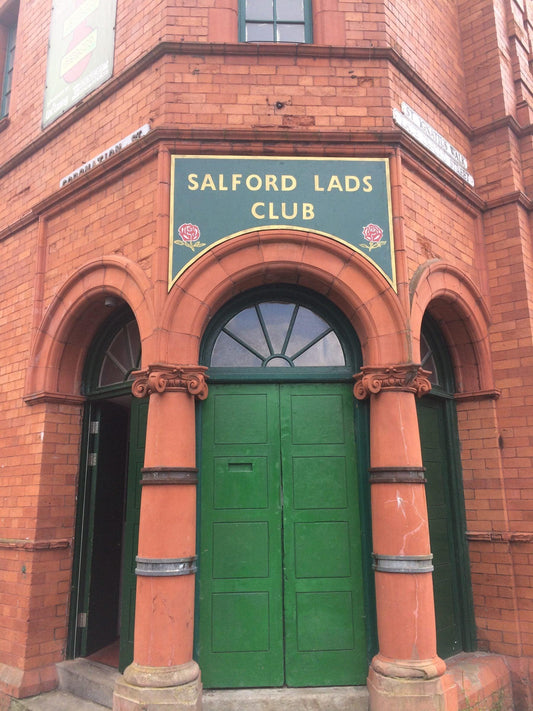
x=459 y=309
x=260 y=258
x=60 y=345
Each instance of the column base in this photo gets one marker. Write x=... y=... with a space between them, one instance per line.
x=403 y=694
x=159 y=689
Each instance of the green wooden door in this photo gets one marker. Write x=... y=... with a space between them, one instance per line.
x=280 y=583
x=446 y=583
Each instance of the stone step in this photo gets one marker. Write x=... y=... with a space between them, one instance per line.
x=88 y=680
x=85 y=685
x=334 y=698
x=54 y=701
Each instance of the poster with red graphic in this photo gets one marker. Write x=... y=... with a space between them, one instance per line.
x=80 y=52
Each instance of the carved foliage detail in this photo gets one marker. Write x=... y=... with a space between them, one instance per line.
x=165 y=378
x=407 y=378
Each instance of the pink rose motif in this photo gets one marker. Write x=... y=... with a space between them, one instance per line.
x=373 y=233
x=188 y=232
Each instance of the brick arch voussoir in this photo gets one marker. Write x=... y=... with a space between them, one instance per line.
x=457 y=305
x=60 y=345
x=301 y=258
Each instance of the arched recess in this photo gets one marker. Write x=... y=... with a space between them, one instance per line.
x=450 y=336
x=80 y=306
x=306 y=259
x=282 y=496
x=457 y=306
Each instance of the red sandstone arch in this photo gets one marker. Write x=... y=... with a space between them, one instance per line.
x=66 y=331
x=293 y=257
x=460 y=311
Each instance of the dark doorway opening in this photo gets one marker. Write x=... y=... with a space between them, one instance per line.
x=102 y=610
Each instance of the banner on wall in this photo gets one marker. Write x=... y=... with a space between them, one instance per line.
x=215 y=198
x=80 y=52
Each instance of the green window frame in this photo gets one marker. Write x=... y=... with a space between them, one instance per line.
x=275 y=21
x=8 y=69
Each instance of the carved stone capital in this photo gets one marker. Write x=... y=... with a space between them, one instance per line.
x=168 y=378
x=409 y=378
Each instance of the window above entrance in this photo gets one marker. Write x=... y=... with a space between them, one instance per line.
x=114 y=354
x=277 y=334
x=280 y=333
x=122 y=356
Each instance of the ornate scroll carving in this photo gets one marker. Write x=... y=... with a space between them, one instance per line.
x=162 y=378
x=409 y=378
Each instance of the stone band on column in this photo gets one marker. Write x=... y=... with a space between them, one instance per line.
x=397 y=475
x=403 y=563
x=165 y=567
x=169 y=475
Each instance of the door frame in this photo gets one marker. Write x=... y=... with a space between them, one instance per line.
x=361 y=416
x=95 y=394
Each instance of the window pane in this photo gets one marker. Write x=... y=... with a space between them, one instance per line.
x=259 y=32
x=8 y=71
x=259 y=10
x=228 y=353
x=246 y=326
x=307 y=326
x=290 y=33
x=277 y=317
x=110 y=373
x=290 y=10
x=327 y=351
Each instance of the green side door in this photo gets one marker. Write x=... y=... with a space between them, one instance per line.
x=280 y=582
x=446 y=584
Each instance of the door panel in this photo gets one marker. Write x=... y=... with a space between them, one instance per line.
x=280 y=538
x=323 y=595
x=240 y=628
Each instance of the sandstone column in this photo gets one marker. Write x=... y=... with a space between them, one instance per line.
x=406 y=674
x=163 y=673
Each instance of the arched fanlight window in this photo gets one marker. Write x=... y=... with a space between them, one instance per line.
x=292 y=330
x=277 y=334
x=115 y=353
x=122 y=356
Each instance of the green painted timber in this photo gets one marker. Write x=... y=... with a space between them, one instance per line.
x=280 y=581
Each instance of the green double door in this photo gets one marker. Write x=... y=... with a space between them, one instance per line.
x=280 y=582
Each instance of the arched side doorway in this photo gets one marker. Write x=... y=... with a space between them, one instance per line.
x=444 y=492
x=103 y=598
x=283 y=566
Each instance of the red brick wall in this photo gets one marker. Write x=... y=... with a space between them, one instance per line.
x=462 y=66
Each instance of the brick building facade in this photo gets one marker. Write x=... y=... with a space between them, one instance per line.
x=400 y=558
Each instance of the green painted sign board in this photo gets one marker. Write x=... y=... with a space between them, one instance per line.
x=215 y=198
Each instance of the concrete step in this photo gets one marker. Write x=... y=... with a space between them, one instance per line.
x=88 y=680
x=334 y=698
x=54 y=701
